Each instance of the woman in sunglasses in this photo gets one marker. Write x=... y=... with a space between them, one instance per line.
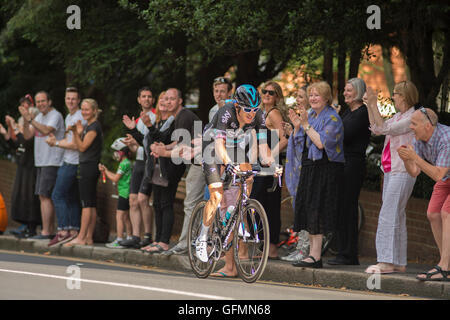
x=391 y=238
x=272 y=103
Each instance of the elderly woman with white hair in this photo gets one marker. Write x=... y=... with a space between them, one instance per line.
x=356 y=138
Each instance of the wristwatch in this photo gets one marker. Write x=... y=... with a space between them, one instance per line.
x=57 y=143
x=307 y=127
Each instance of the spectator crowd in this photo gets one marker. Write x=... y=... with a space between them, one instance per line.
x=322 y=148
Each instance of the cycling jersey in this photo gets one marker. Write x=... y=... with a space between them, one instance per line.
x=225 y=125
x=238 y=141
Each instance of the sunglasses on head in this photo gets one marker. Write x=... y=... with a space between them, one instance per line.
x=424 y=111
x=271 y=92
x=221 y=80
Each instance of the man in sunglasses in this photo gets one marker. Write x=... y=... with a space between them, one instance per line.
x=431 y=154
x=229 y=143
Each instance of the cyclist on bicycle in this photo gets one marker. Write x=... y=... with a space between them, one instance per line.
x=227 y=140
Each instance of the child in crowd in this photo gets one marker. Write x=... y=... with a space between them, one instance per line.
x=122 y=178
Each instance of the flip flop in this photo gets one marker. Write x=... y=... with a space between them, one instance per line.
x=221 y=274
x=145 y=249
x=376 y=269
x=159 y=249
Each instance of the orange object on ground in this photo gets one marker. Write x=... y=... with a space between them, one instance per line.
x=3 y=215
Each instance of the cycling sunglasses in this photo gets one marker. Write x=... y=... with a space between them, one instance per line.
x=271 y=92
x=247 y=109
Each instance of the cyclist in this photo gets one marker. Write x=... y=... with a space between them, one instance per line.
x=229 y=139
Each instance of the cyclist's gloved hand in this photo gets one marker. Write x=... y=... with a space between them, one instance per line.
x=232 y=168
x=278 y=170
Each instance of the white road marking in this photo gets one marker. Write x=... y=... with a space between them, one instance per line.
x=126 y=285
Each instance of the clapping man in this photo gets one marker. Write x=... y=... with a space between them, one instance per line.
x=431 y=154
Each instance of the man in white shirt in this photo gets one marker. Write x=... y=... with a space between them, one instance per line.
x=222 y=88
x=65 y=194
x=47 y=159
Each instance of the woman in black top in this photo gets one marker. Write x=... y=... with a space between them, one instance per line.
x=356 y=139
x=25 y=205
x=89 y=141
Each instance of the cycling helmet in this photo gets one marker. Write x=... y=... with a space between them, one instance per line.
x=246 y=95
x=118 y=145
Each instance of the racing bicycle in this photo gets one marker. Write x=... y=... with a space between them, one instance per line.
x=247 y=226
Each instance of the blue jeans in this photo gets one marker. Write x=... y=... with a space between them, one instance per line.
x=66 y=198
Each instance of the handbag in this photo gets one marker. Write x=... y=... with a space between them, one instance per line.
x=157 y=177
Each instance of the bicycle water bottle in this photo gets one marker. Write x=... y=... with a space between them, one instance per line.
x=228 y=214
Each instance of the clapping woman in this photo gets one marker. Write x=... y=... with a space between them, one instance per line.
x=318 y=137
x=89 y=141
x=25 y=205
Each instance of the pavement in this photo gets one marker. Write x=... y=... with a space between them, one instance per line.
x=340 y=277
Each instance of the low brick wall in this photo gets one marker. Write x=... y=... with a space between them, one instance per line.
x=421 y=246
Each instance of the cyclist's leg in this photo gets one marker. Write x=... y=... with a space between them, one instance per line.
x=212 y=174
x=215 y=186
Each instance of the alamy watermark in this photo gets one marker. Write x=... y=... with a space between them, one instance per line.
x=374 y=281
x=74 y=20
x=374 y=20
x=74 y=280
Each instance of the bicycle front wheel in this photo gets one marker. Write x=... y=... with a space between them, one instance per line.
x=251 y=241
x=200 y=269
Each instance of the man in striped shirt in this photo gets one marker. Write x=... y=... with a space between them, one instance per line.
x=432 y=156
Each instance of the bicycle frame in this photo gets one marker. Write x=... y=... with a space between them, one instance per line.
x=241 y=203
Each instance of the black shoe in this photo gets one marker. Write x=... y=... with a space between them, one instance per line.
x=315 y=264
x=26 y=234
x=134 y=242
x=339 y=261
x=147 y=240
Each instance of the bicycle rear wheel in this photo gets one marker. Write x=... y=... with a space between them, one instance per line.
x=252 y=232
x=200 y=269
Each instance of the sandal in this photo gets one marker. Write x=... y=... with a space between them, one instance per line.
x=158 y=247
x=145 y=249
x=428 y=275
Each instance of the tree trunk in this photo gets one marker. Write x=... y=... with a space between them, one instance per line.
x=328 y=67
x=355 y=60
x=387 y=66
x=341 y=74
x=247 y=68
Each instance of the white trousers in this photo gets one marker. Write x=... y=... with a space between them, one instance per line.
x=391 y=239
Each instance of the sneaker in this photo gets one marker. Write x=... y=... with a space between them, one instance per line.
x=294 y=256
x=60 y=239
x=200 y=250
x=147 y=240
x=115 y=244
x=175 y=250
x=134 y=242
x=25 y=234
x=23 y=228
